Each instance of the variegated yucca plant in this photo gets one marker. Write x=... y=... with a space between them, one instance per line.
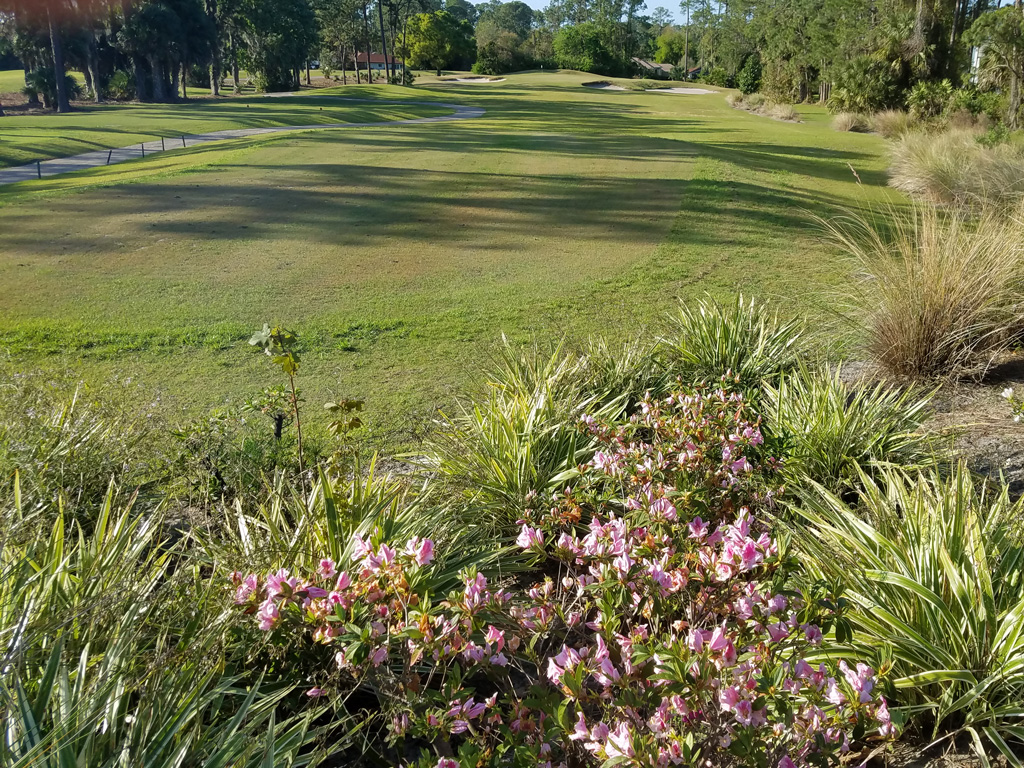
x=935 y=568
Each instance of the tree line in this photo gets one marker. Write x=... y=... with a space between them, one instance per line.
x=859 y=54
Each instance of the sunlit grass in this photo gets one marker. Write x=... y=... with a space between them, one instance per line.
x=401 y=254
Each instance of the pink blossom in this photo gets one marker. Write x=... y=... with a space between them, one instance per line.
x=861 y=680
x=620 y=742
x=786 y=762
x=246 y=589
x=580 y=731
x=315 y=693
x=698 y=528
x=281 y=583
x=495 y=637
x=884 y=719
x=663 y=509
x=379 y=655
x=530 y=537
x=361 y=547
x=813 y=634
x=344 y=581
x=268 y=615
x=327 y=568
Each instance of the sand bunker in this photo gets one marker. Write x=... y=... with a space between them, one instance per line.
x=604 y=86
x=691 y=91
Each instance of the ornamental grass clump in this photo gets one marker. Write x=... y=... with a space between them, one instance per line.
x=109 y=648
x=938 y=292
x=892 y=123
x=834 y=431
x=954 y=168
x=935 y=569
x=851 y=121
x=707 y=338
x=659 y=625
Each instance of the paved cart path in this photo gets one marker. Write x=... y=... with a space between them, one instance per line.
x=101 y=157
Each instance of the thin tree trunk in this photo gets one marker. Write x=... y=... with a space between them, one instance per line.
x=307 y=72
x=383 y=41
x=184 y=82
x=234 y=62
x=1 y=110
x=94 y=65
x=215 y=77
x=33 y=98
x=366 y=33
x=344 y=64
x=63 y=105
x=87 y=72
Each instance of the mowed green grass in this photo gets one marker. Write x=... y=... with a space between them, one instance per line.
x=400 y=255
x=13 y=80
x=25 y=138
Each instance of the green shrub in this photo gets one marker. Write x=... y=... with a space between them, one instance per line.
x=785 y=112
x=717 y=76
x=43 y=83
x=990 y=104
x=749 y=79
x=68 y=441
x=707 y=339
x=120 y=87
x=112 y=649
x=754 y=100
x=863 y=85
x=522 y=438
x=929 y=98
x=938 y=292
x=834 y=432
x=934 y=568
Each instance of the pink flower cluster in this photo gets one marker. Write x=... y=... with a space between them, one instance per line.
x=656 y=629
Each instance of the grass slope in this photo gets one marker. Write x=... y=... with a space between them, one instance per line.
x=25 y=138
x=401 y=254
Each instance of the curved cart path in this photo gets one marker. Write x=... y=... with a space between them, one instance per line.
x=101 y=157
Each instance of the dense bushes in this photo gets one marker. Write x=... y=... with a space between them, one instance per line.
x=935 y=569
x=654 y=605
x=863 y=85
x=749 y=78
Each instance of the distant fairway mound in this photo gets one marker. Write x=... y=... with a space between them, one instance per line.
x=604 y=85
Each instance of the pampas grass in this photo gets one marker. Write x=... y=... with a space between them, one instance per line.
x=757 y=104
x=953 y=168
x=850 y=122
x=939 y=292
x=892 y=123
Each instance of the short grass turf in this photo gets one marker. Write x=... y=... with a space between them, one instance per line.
x=400 y=255
x=25 y=138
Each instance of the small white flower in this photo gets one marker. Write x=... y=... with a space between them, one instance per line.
x=1016 y=417
x=1008 y=393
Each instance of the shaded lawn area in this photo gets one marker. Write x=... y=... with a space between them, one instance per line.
x=25 y=138
x=400 y=255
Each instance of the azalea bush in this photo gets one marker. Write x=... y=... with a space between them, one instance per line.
x=660 y=624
